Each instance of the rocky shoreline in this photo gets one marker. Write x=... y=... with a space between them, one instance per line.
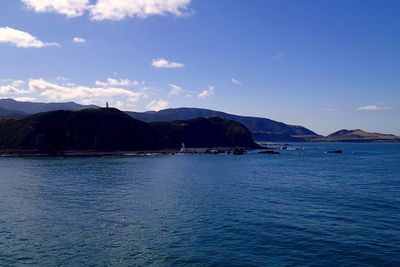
x=93 y=153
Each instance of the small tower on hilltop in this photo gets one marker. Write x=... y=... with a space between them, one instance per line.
x=107 y=106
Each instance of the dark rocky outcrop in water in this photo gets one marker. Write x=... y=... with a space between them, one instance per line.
x=109 y=129
x=271 y=152
x=339 y=151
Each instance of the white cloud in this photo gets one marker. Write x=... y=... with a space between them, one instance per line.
x=175 y=89
x=236 y=82
x=372 y=108
x=113 y=83
x=110 y=9
x=25 y=99
x=18 y=83
x=79 y=40
x=9 y=89
x=157 y=105
x=13 y=87
x=118 y=10
x=69 y=8
x=279 y=56
x=161 y=63
x=21 y=39
x=57 y=92
x=207 y=93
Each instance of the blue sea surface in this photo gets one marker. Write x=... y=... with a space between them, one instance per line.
x=300 y=208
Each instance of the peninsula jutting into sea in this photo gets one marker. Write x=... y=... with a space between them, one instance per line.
x=61 y=127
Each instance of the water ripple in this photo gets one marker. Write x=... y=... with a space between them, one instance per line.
x=311 y=209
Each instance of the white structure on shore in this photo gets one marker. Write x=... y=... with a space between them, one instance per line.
x=183 y=148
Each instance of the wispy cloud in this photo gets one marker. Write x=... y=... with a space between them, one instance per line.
x=110 y=82
x=13 y=87
x=175 y=89
x=206 y=93
x=8 y=89
x=110 y=9
x=236 y=82
x=157 y=105
x=79 y=40
x=162 y=63
x=372 y=108
x=21 y=39
x=279 y=56
x=58 y=91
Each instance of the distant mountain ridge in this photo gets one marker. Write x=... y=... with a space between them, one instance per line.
x=262 y=129
x=28 y=108
x=6 y=113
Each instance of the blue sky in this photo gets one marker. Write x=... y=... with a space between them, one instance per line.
x=326 y=65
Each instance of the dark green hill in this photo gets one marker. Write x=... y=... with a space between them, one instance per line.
x=205 y=132
x=90 y=129
x=109 y=129
x=262 y=129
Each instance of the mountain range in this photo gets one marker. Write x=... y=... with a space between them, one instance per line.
x=262 y=129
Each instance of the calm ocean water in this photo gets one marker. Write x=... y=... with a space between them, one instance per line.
x=300 y=208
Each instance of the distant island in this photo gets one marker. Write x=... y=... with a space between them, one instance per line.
x=357 y=136
x=168 y=123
